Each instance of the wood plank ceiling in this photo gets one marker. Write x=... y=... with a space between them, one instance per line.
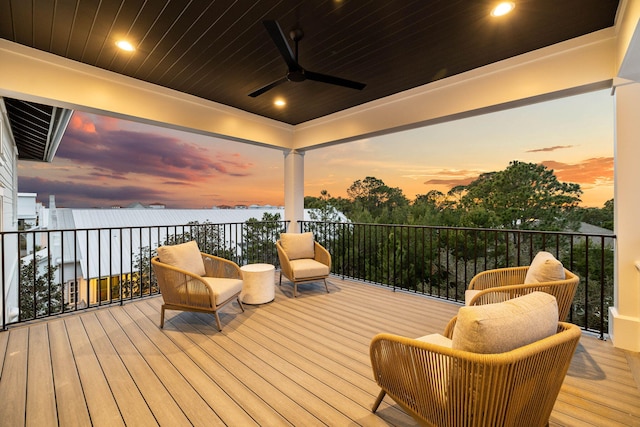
x=220 y=51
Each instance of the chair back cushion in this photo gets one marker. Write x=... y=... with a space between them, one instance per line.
x=502 y=327
x=544 y=268
x=185 y=256
x=298 y=245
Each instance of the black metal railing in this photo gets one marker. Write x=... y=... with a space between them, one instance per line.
x=441 y=261
x=50 y=272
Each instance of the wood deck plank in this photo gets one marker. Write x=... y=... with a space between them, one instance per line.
x=295 y=361
x=13 y=383
x=70 y=398
x=144 y=339
x=279 y=400
x=262 y=413
x=156 y=396
x=132 y=405
x=213 y=395
x=103 y=409
x=41 y=401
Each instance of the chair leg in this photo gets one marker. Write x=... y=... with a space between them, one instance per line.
x=240 y=303
x=378 y=401
x=162 y=317
x=325 y=285
x=215 y=313
x=295 y=290
x=280 y=278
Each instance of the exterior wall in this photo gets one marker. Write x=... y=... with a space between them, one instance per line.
x=8 y=213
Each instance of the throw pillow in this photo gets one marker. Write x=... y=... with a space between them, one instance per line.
x=185 y=256
x=544 y=268
x=298 y=245
x=502 y=327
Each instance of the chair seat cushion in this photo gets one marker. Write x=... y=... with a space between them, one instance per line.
x=185 y=256
x=469 y=294
x=437 y=339
x=298 y=245
x=502 y=327
x=308 y=268
x=223 y=288
x=544 y=268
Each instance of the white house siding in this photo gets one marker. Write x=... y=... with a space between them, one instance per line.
x=8 y=215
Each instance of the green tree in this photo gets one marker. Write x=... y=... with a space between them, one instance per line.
x=39 y=293
x=259 y=238
x=374 y=196
x=523 y=196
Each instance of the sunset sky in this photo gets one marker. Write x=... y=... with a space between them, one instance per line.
x=105 y=162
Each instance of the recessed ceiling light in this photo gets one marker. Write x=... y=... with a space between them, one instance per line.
x=279 y=103
x=125 y=45
x=503 y=8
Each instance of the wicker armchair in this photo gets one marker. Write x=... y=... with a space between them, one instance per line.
x=302 y=259
x=220 y=283
x=440 y=385
x=502 y=284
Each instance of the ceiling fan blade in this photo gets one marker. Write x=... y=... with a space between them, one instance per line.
x=274 y=30
x=270 y=86
x=333 y=80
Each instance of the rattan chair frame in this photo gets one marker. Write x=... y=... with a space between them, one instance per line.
x=502 y=284
x=441 y=386
x=320 y=254
x=186 y=291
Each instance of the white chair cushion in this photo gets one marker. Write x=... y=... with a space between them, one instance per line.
x=544 y=268
x=469 y=294
x=502 y=327
x=437 y=339
x=185 y=256
x=223 y=288
x=306 y=268
x=298 y=245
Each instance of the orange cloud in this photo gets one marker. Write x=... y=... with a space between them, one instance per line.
x=80 y=122
x=589 y=171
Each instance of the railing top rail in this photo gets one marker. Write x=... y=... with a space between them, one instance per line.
x=502 y=230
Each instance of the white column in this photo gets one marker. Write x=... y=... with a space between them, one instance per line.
x=624 y=316
x=294 y=188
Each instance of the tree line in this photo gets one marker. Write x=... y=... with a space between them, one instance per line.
x=524 y=196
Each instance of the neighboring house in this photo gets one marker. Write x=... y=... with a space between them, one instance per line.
x=92 y=262
x=8 y=206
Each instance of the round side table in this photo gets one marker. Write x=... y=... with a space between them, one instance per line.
x=258 y=283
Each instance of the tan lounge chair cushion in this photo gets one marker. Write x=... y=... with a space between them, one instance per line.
x=185 y=256
x=223 y=288
x=305 y=268
x=544 y=268
x=469 y=294
x=298 y=245
x=436 y=339
x=502 y=327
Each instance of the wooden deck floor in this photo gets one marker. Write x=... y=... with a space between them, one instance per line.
x=301 y=362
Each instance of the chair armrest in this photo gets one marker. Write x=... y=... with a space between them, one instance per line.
x=448 y=330
x=499 y=277
x=321 y=254
x=220 y=267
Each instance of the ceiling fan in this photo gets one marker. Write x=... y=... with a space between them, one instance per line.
x=296 y=73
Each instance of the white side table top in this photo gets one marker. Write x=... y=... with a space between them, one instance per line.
x=257 y=268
